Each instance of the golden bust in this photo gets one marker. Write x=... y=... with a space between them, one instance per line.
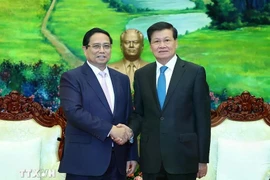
x=132 y=47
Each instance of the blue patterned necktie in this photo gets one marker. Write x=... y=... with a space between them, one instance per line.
x=161 y=86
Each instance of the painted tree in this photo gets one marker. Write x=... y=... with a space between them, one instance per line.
x=224 y=14
x=199 y=4
x=232 y=14
x=243 y=5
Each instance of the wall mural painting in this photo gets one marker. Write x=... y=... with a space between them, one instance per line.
x=40 y=39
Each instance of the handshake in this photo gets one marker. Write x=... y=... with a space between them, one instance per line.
x=120 y=134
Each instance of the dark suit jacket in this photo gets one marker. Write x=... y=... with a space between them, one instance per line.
x=179 y=134
x=87 y=148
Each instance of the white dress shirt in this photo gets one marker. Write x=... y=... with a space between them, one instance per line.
x=168 y=72
x=108 y=81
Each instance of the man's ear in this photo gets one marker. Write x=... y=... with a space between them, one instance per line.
x=84 y=48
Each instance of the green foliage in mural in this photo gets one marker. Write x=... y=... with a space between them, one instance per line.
x=224 y=15
x=119 y=6
x=45 y=4
x=199 y=4
x=230 y=15
x=39 y=81
x=255 y=17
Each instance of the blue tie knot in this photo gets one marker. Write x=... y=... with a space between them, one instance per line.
x=163 y=69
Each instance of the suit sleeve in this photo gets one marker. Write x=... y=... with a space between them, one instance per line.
x=201 y=100
x=136 y=116
x=133 y=151
x=71 y=101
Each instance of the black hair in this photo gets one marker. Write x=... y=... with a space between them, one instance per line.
x=91 y=32
x=161 y=26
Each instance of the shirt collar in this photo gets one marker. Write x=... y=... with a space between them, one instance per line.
x=170 y=64
x=126 y=62
x=96 y=70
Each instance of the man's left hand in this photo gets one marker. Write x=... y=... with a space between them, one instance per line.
x=202 y=170
x=131 y=166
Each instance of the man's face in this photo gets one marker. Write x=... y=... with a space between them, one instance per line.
x=98 y=51
x=163 y=45
x=131 y=45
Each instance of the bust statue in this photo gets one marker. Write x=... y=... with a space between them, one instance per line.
x=132 y=47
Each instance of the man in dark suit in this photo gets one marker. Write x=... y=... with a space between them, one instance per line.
x=172 y=111
x=97 y=103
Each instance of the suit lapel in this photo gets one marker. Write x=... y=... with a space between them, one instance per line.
x=178 y=71
x=152 y=79
x=93 y=82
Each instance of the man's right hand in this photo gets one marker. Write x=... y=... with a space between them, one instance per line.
x=120 y=134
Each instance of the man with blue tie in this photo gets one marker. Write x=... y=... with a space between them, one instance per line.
x=171 y=111
x=97 y=104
